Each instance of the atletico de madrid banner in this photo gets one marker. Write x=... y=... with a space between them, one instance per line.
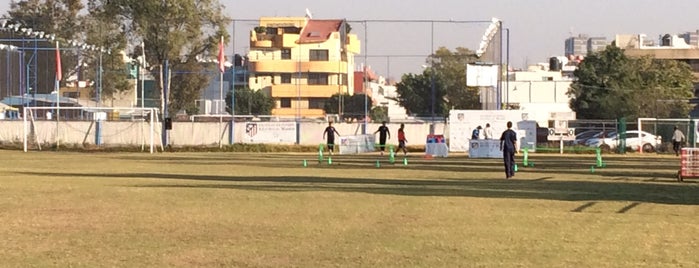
x=270 y=132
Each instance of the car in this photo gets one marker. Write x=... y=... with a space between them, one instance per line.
x=582 y=137
x=634 y=139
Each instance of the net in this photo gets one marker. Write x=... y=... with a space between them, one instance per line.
x=89 y=126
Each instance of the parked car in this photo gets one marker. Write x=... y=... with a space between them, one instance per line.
x=634 y=139
x=582 y=137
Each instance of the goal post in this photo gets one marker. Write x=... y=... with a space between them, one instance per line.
x=98 y=126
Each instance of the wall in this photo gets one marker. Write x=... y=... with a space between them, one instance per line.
x=189 y=133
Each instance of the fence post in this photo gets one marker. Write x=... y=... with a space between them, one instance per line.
x=621 y=134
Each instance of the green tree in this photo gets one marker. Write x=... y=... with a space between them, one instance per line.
x=415 y=94
x=451 y=66
x=379 y=114
x=252 y=102
x=353 y=106
x=451 y=92
x=104 y=31
x=181 y=31
x=611 y=85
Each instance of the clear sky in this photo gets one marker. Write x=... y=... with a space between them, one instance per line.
x=538 y=28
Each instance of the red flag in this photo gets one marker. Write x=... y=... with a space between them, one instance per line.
x=221 y=57
x=59 y=71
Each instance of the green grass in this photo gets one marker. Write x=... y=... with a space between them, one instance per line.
x=266 y=210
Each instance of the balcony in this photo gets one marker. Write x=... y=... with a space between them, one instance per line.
x=295 y=111
x=306 y=91
x=264 y=40
x=291 y=66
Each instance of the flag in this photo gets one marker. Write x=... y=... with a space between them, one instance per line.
x=59 y=71
x=221 y=57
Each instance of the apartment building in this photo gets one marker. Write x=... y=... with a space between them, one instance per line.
x=302 y=62
x=582 y=44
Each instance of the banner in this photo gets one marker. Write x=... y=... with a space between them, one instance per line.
x=357 y=144
x=463 y=122
x=484 y=149
x=270 y=132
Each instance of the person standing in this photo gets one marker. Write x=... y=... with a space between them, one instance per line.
x=508 y=146
x=402 y=140
x=677 y=140
x=330 y=131
x=488 y=132
x=476 y=133
x=383 y=131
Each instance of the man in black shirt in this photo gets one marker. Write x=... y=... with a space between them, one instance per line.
x=383 y=131
x=508 y=146
x=330 y=130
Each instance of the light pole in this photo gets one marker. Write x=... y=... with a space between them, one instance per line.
x=507 y=70
x=432 y=85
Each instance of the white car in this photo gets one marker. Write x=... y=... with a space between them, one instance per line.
x=634 y=139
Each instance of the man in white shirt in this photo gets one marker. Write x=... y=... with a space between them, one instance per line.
x=677 y=139
x=488 y=132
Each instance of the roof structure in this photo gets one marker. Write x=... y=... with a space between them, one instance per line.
x=318 y=31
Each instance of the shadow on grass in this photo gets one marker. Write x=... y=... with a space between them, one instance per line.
x=592 y=191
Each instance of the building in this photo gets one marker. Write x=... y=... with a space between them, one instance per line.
x=301 y=63
x=671 y=47
x=538 y=91
x=582 y=44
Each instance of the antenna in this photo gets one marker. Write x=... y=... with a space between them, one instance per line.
x=308 y=14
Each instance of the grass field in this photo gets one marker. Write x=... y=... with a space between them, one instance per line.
x=267 y=210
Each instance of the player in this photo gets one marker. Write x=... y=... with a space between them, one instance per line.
x=383 y=131
x=402 y=140
x=331 y=131
x=508 y=146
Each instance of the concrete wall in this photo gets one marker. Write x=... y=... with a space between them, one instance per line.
x=189 y=133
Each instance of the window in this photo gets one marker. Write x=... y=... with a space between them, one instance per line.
x=316 y=103
x=285 y=103
x=286 y=78
x=318 y=55
x=317 y=79
x=286 y=54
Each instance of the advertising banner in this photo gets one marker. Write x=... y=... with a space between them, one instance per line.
x=270 y=132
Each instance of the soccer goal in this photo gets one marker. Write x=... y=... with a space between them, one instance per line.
x=90 y=126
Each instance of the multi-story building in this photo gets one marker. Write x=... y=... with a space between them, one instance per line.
x=302 y=62
x=582 y=44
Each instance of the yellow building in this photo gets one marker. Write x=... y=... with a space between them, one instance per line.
x=301 y=63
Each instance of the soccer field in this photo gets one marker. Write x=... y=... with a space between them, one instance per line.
x=268 y=210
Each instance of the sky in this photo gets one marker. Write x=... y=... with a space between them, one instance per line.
x=538 y=28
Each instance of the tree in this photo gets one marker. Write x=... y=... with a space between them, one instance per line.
x=181 y=31
x=103 y=30
x=379 y=114
x=353 y=106
x=451 y=65
x=611 y=85
x=415 y=94
x=451 y=92
x=248 y=101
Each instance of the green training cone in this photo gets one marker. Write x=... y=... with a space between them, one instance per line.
x=592 y=169
x=405 y=161
x=378 y=164
x=330 y=160
x=516 y=169
x=305 y=163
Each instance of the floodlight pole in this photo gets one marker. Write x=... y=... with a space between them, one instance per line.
x=432 y=82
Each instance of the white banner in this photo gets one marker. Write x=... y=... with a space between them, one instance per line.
x=485 y=149
x=357 y=144
x=463 y=122
x=482 y=75
x=270 y=132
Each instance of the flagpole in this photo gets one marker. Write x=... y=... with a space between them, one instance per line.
x=59 y=76
x=221 y=67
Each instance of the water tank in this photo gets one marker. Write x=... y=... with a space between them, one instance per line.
x=554 y=64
